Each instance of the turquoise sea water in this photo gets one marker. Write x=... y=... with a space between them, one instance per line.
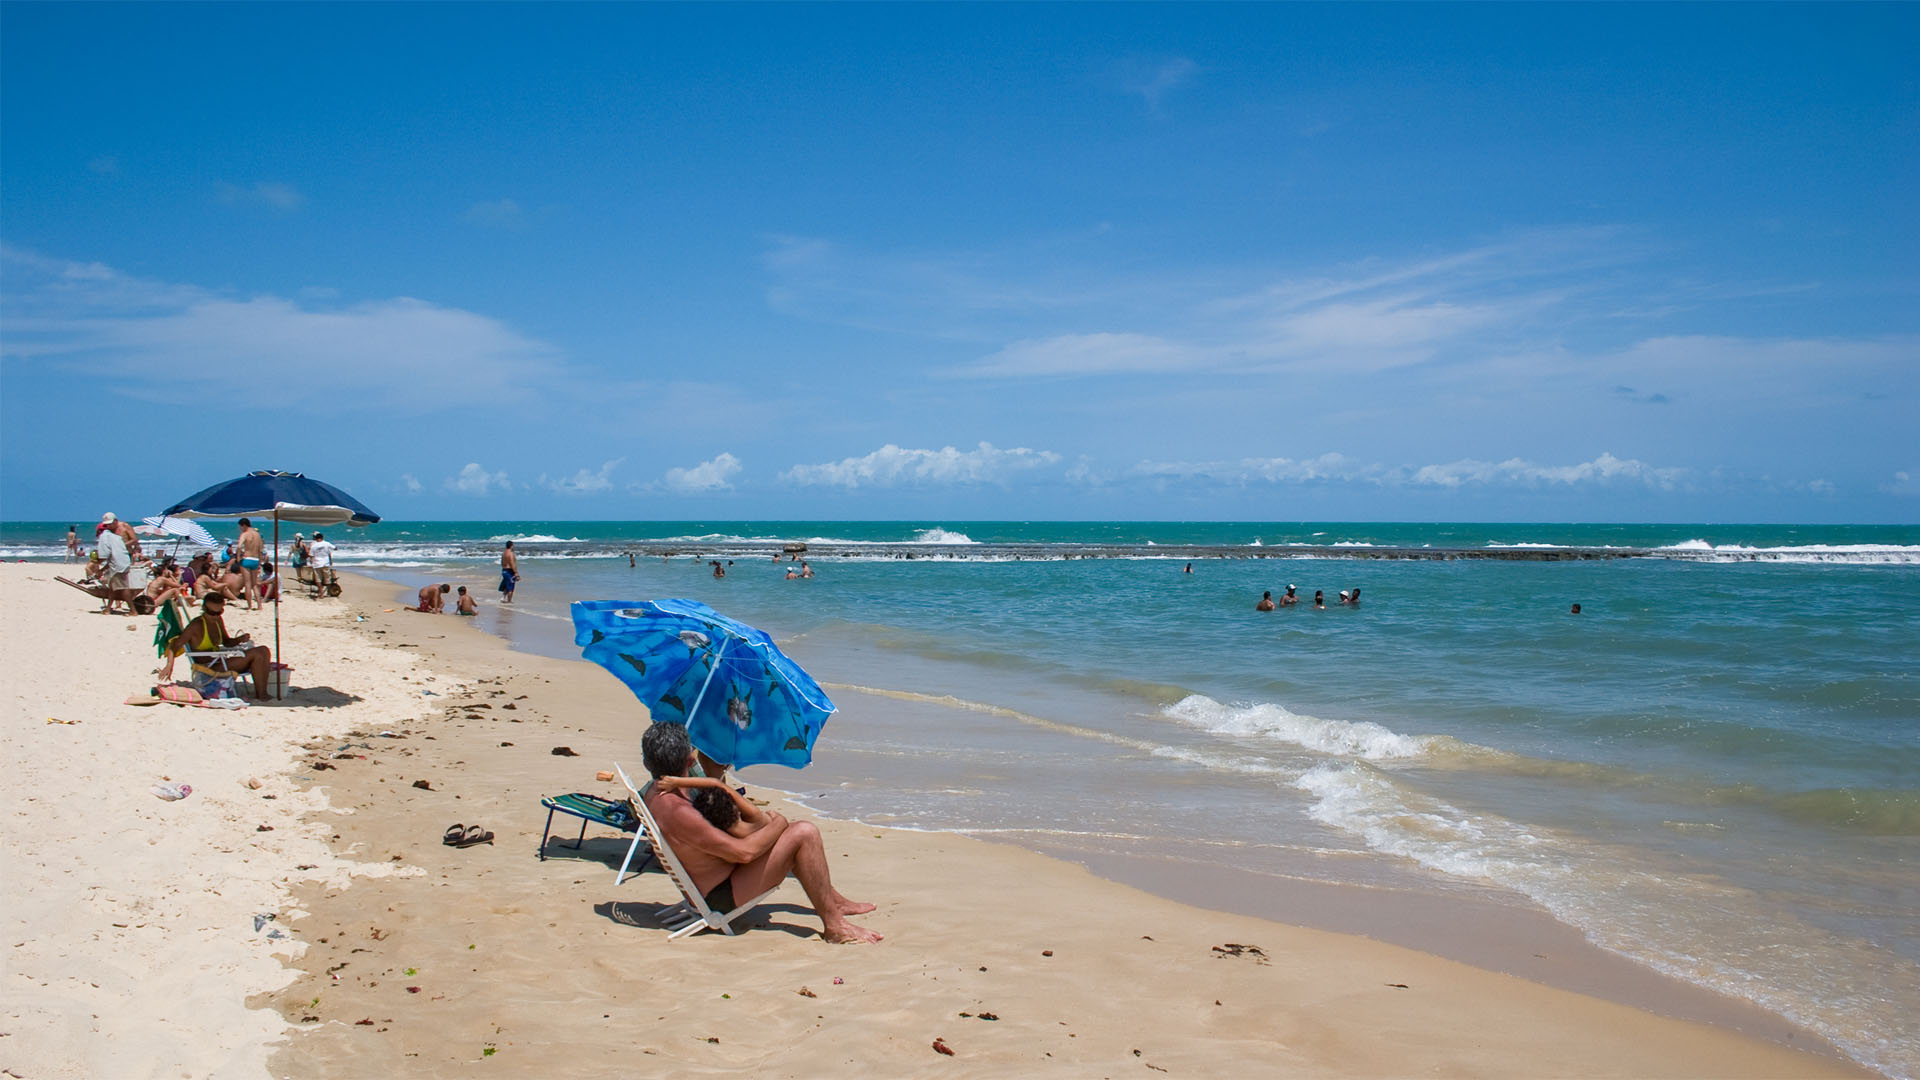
x=1713 y=770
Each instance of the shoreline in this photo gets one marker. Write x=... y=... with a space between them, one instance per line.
x=1510 y=935
x=546 y=961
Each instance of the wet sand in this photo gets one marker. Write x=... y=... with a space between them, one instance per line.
x=416 y=959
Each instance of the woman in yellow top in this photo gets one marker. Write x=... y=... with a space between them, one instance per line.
x=209 y=632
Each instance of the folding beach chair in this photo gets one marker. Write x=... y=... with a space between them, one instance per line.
x=613 y=813
x=691 y=915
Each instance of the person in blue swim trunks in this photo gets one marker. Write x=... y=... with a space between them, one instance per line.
x=509 y=573
x=252 y=549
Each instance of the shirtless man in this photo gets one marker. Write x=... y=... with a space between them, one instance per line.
x=433 y=598
x=725 y=866
x=509 y=573
x=252 y=550
x=1266 y=602
x=209 y=631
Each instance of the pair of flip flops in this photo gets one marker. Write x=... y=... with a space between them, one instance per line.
x=466 y=836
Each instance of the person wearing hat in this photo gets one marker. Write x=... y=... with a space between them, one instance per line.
x=299 y=555
x=1289 y=598
x=209 y=632
x=125 y=531
x=111 y=550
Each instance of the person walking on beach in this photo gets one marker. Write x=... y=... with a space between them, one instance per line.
x=726 y=867
x=320 y=558
x=509 y=573
x=1266 y=602
x=73 y=543
x=252 y=550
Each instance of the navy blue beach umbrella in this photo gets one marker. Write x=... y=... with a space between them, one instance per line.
x=744 y=702
x=281 y=496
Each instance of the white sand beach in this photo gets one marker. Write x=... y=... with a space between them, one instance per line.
x=132 y=949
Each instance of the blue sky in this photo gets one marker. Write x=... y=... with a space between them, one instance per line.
x=1554 y=262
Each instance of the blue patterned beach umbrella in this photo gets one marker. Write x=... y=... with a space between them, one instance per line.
x=744 y=702
x=275 y=495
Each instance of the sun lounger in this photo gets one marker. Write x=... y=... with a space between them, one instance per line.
x=691 y=915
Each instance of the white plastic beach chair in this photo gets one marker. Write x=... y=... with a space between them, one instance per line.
x=691 y=915
x=636 y=796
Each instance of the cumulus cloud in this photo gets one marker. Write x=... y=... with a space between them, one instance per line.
x=411 y=485
x=893 y=465
x=1514 y=472
x=171 y=342
x=1902 y=483
x=713 y=475
x=586 y=481
x=474 y=479
x=277 y=196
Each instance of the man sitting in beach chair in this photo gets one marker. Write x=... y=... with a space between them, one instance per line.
x=723 y=865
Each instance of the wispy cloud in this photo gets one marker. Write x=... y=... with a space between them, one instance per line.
x=410 y=485
x=474 y=479
x=497 y=214
x=1168 y=76
x=586 y=481
x=277 y=196
x=171 y=342
x=712 y=475
x=893 y=465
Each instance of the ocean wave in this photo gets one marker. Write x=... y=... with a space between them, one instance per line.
x=1362 y=739
x=537 y=538
x=1498 y=546
x=1853 y=554
x=937 y=535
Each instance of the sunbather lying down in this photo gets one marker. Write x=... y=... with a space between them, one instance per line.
x=755 y=854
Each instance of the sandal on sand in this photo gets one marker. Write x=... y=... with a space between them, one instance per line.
x=475 y=835
x=455 y=833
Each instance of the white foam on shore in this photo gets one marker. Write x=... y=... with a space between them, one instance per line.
x=1364 y=740
x=1852 y=554
x=1696 y=928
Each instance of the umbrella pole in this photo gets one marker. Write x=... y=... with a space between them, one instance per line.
x=718 y=655
x=277 y=692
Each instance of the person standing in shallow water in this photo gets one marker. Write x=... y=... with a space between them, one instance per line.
x=1266 y=602
x=509 y=573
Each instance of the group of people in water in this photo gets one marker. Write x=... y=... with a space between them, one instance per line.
x=1348 y=598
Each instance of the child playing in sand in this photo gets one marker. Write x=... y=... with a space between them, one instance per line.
x=465 y=605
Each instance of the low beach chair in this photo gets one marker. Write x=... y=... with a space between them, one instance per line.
x=634 y=797
x=691 y=915
x=590 y=809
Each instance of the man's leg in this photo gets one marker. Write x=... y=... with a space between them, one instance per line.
x=253 y=586
x=799 y=852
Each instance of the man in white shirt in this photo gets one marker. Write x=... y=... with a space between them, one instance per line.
x=320 y=558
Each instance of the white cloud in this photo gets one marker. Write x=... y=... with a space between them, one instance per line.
x=1514 y=472
x=1901 y=484
x=172 y=343
x=278 y=196
x=892 y=465
x=585 y=482
x=411 y=485
x=1099 y=353
x=476 y=480
x=1165 y=77
x=499 y=214
x=711 y=475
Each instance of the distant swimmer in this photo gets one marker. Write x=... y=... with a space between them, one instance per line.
x=630 y=561
x=1319 y=600
x=1576 y=609
x=1350 y=597
x=718 y=570
x=792 y=574
x=1289 y=598
x=805 y=570
x=1189 y=569
x=1266 y=602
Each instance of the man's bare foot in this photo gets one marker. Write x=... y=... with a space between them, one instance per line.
x=842 y=932
x=854 y=907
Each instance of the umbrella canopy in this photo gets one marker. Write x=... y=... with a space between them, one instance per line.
x=744 y=702
x=191 y=531
x=269 y=492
